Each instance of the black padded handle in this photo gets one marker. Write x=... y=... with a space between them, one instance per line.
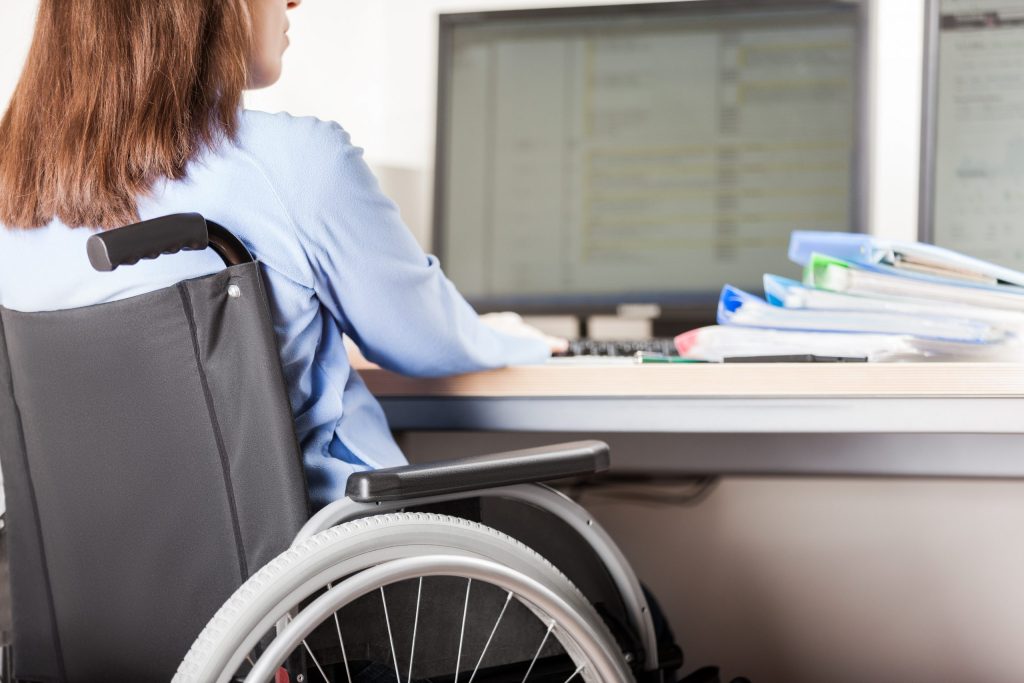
x=576 y=459
x=166 y=235
x=147 y=240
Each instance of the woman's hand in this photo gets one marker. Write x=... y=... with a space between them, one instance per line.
x=513 y=324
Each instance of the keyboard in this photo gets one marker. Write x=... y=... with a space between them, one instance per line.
x=611 y=349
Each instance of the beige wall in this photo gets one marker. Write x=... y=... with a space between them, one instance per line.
x=840 y=581
x=820 y=580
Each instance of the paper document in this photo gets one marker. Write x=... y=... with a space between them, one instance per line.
x=718 y=342
x=782 y=291
x=737 y=307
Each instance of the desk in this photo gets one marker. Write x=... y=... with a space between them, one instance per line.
x=928 y=419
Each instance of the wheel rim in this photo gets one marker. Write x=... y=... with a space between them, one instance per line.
x=596 y=660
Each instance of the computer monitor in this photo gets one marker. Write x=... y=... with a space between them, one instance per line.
x=591 y=157
x=972 y=170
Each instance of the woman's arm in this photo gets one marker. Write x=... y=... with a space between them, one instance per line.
x=369 y=272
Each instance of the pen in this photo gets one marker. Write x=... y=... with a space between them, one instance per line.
x=652 y=358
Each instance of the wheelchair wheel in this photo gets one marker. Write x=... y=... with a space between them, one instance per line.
x=399 y=596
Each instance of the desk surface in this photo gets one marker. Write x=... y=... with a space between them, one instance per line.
x=864 y=380
x=928 y=419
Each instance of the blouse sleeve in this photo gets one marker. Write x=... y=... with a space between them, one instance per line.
x=373 y=278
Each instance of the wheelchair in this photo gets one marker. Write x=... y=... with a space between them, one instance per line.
x=159 y=527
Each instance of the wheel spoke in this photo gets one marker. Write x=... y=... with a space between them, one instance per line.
x=313 y=657
x=494 y=630
x=547 y=635
x=296 y=632
x=575 y=673
x=391 y=640
x=344 y=657
x=415 y=625
x=341 y=643
x=462 y=632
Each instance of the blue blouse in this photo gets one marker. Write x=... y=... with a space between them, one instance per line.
x=337 y=260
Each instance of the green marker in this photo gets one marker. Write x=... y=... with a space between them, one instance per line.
x=654 y=358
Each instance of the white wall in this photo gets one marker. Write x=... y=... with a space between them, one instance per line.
x=896 y=75
x=16 y=20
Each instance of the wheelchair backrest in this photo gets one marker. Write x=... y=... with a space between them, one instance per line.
x=150 y=466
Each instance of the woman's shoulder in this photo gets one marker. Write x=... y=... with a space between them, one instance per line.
x=257 y=121
x=298 y=152
x=286 y=137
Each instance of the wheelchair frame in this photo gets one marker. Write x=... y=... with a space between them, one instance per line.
x=539 y=496
x=510 y=476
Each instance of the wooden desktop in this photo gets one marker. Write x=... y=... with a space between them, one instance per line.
x=911 y=419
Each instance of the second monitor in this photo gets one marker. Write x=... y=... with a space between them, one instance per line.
x=591 y=157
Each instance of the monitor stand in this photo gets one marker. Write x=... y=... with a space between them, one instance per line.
x=674 y=325
x=645 y=321
x=630 y=322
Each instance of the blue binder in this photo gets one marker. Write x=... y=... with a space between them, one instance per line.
x=737 y=307
x=913 y=260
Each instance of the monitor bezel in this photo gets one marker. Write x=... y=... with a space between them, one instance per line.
x=929 y=123
x=681 y=304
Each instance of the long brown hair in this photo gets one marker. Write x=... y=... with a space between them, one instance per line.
x=115 y=96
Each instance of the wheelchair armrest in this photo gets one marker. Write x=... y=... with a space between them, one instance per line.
x=580 y=458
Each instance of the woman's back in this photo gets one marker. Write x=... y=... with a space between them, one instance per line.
x=337 y=261
x=129 y=111
x=254 y=186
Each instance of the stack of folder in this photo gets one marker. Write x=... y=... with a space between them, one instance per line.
x=864 y=297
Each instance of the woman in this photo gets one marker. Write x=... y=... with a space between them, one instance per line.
x=130 y=110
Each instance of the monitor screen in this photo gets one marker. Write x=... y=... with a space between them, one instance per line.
x=589 y=157
x=973 y=146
